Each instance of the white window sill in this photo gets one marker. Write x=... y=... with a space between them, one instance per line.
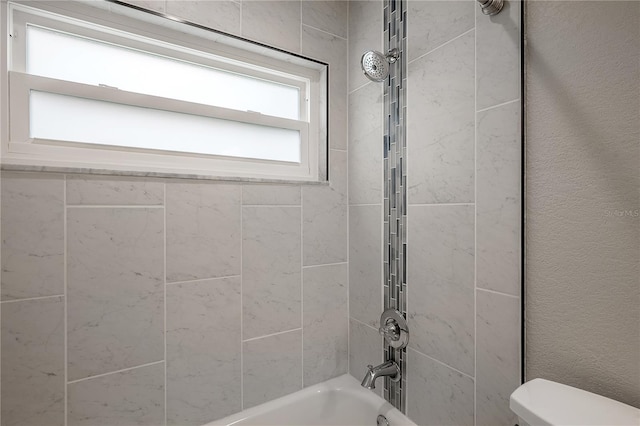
x=107 y=172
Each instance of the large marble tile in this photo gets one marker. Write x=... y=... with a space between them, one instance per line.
x=33 y=362
x=272 y=367
x=366 y=145
x=497 y=357
x=440 y=277
x=332 y=50
x=276 y=23
x=203 y=231
x=133 y=397
x=441 y=121
x=365 y=33
x=271 y=270
x=325 y=322
x=327 y=15
x=115 y=289
x=275 y=195
x=365 y=263
x=433 y=23
x=498 y=56
x=101 y=190
x=32 y=235
x=365 y=348
x=436 y=394
x=222 y=15
x=498 y=199
x=203 y=374
x=324 y=219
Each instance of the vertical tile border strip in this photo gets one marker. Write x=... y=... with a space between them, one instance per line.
x=395 y=186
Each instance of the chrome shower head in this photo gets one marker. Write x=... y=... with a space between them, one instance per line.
x=375 y=65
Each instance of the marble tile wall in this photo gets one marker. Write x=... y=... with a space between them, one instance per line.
x=464 y=171
x=365 y=191
x=124 y=317
x=464 y=177
x=150 y=302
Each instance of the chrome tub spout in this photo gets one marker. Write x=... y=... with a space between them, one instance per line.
x=387 y=369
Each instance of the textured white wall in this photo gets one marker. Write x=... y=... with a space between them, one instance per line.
x=583 y=171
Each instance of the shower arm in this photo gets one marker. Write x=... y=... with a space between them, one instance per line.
x=491 y=7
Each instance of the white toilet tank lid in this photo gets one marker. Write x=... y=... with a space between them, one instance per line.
x=542 y=402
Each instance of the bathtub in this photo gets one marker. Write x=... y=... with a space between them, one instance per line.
x=337 y=402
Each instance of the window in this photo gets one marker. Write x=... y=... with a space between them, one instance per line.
x=90 y=88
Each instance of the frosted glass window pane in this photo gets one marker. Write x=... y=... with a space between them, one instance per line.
x=67 y=118
x=82 y=60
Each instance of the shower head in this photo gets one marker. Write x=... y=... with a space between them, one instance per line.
x=375 y=65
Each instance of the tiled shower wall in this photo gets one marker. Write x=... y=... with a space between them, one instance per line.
x=150 y=301
x=463 y=140
x=365 y=192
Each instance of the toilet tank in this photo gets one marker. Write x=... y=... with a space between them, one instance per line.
x=542 y=402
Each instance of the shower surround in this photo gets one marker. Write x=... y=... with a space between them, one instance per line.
x=140 y=301
x=462 y=170
x=115 y=291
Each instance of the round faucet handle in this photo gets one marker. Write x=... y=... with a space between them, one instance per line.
x=394 y=328
x=390 y=331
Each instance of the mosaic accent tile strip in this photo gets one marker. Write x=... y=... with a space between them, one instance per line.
x=395 y=186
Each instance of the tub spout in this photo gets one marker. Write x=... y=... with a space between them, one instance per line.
x=387 y=369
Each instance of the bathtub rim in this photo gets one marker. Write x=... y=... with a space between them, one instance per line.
x=344 y=383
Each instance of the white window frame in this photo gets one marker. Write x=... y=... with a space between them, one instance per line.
x=19 y=149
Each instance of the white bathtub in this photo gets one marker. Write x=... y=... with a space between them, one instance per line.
x=337 y=402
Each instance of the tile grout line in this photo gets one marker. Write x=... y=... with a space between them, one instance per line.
x=199 y=280
x=268 y=206
x=498 y=105
x=302 y=280
x=442 y=45
x=33 y=298
x=66 y=299
x=407 y=147
x=114 y=206
x=323 y=31
x=271 y=335
x=360 y=87
x=324 y=264
x=348 y=99
x=364 y=323
x=84 y=379
x=475 y=216
x=443 y=364
x=368 y=205
x=499 y=293
x=164 y=218
x=241 y=301
x=440 y=204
